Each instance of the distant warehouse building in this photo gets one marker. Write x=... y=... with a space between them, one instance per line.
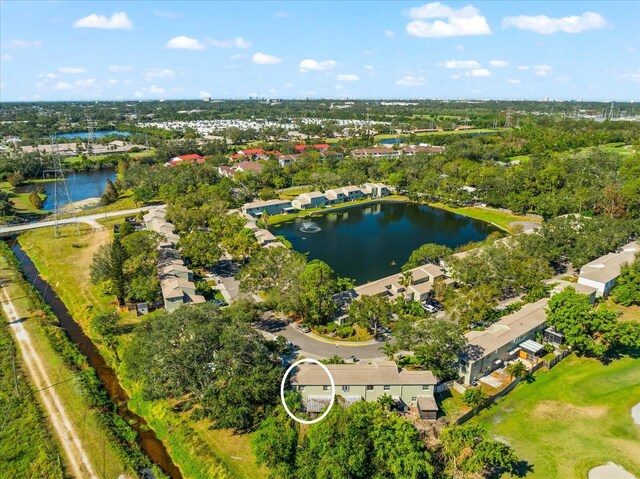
x=490 y=349
x=603 y=272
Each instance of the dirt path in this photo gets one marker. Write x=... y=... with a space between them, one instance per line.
x=68 y=436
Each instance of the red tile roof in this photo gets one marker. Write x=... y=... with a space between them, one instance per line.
x=192 y=156
x=253 y=151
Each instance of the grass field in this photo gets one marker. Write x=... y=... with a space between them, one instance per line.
x=474 y=131
x=572 y=418
x=627 y=313
x=199 y=451
x=82 y=417
x=498 y=218
x=21 y=200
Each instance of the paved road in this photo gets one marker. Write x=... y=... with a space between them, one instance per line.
x=310 y=347
x=89 y=219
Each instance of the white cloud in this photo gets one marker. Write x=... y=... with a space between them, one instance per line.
x=632 y=49
x=72 y=70
x=542 y=70
x=264 y=59
x=237 y=42
x=155 y=73
x=63 y=86
x=117 y=21
x=562 y=79
x=460 y=48
x=455 y=76
x=478 y=72
x=513 y=81
x=309 y=64
x=281 y=14
x=289 y=85
x=183 y=42
x=547 y=25
x=498 y=63
x=22 y=44
x=47 y=76
x=120 y=68
x=410 y=80
x=461 y=22
x=523 y=67
x=347 y=77
x=369 y=68
x=156 y=90
x=389 y=33
x=112 y=81
x=339 y=87
x=85 y=83
x=6 y=58
x=455 y=64
x=205 y=94
x=633 y=76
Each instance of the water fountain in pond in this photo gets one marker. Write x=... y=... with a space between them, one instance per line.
x=310 y=227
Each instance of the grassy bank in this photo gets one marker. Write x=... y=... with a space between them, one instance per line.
x=198 y=450
x=572 y=418
x=21 y=200
x=37 y=447
x=490 y=215
x=277 y=219
x=28 y=447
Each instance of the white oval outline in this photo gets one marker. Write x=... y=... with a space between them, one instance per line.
x=333 y=391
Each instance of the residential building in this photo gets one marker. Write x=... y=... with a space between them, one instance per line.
x=362 y=381
x=490 y=349
x=178 y=160
x=561 y=285
x=246 y=166
x=176 y=270
x=307 y=201
x=271 y=207
x=375 y=190
x=603 y=272
x=375 y=153
x=352 y=193
x=286 y=160
x=336 y=196
x=264 y=237
x=178 y=291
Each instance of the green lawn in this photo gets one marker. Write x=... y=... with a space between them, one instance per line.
x=572 y=418
x=101 y=453
x=199 y=451
x=490 y=215
x=441 y=133
x=21 y=200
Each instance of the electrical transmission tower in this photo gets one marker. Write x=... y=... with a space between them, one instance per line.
x=61 y=194
x=90 y=136
x=507 y=120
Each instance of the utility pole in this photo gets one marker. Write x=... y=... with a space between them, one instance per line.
x=61 y=194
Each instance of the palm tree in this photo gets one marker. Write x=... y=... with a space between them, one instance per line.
x=406 y=279
x=517 y=370
x=390 y=349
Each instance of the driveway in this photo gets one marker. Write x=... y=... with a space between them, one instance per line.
x=310 y=347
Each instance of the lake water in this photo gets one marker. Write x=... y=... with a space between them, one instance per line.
x=369 y=242
x=392 y=141
x=90 y=184
x=96 y=134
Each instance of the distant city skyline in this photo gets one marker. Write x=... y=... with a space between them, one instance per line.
x=56 y=51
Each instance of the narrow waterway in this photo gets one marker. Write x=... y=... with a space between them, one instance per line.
x=148 y=439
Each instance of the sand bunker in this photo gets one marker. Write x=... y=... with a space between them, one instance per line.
x=559 y=410
x=610 y=471
x=635 y=413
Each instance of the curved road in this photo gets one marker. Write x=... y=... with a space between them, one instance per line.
x=90 y=219
x=308 y=346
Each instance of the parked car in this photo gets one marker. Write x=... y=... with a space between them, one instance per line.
x=219 y=302
x=429 y=308
x=303 y=328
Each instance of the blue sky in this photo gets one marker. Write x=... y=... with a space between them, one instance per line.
x=150 y=50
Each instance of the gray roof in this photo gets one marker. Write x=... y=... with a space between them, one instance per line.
x=427 y=403
x=508 y=328
x=362 y=373
x=608 y=267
